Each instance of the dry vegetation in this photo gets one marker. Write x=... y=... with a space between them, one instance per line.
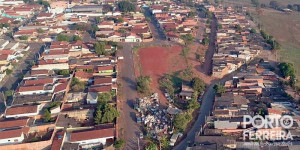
x=284 y=27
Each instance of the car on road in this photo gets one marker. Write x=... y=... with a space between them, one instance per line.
x=141 y=135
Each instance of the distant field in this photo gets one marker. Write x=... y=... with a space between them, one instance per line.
x=247 y=2
x=286 y=30
x=284 y=27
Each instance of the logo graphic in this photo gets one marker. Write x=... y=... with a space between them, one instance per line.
x=270 y=127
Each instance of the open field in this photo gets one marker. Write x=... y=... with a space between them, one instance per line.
x=285 y=29
x=248 y=2
x=158 y=61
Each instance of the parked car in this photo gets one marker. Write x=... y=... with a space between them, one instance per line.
x=141 y=135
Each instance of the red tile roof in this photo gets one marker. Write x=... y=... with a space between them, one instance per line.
x=101 y=89
x=3 y=57
x=11 y=133
x=30 y=88
x=92 y=134
x=6 y=124
x=102 y=80
x=58 y=140
x=83 y=75
x=60 y=87
x=21 y=110
x=85 y=67
x=274 y=111
x=38 y=72
x=44 y=15
x=6 y=52
x=104 y=68
x=39 y=81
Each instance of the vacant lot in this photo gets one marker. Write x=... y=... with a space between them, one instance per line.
x=158 y=61
x=248 y=2
x=285 y=29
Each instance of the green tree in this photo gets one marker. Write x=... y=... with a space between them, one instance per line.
x=121 y=30
x=238 y=28
x=98 y=117
x=95 y=28
x=44 y=3
x=104 y=97
x=166 y=83
x=97 y=20
x=4 y=25
x=109 y=114
x=100 y=48
x=143 y=84
x=54 y=104
x=205 y=41
x=8 y=71
x=76 y=38
x=198 y=85
x=47 y=116
x=165 y=143
x=118 y=20
x=166 y=8
x=64 y=72
x=9 y=93
x=119 y=144
x=252 y=31
x=23 y=37
x=181 y=121
x=151 y=146
x=126 y=6
x=193 y=103
x=287 y=69
x=220 y=26
x=39 y=30
x=62 y=37
x=148 y=19
x=187 y=38
x=219 y=89
x=192 y=14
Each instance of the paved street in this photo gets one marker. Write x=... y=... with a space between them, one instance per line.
x=209 y=95
x=129 y=128
x=211 y=47
x=10 y=82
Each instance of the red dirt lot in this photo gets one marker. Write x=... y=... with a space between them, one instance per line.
x=158 y=61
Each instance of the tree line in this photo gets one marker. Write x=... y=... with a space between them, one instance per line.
x=275 y=5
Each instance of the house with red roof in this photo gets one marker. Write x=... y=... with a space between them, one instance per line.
x=45 y=16
x=92 y=136
x=106 y=25
x=11 y=137
x=22 y=111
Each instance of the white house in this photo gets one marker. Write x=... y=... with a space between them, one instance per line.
x=22 y=111
x=11 y=137
x=35 y=89
x=94 y=136
x=106 y=25
x=92 y=98
x=3 y=43
x=55 y=110
x=133 y=38
x=50 y=66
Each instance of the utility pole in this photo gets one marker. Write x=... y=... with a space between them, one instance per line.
x=138 y=143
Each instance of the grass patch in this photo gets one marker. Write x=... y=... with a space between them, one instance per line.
x=285 y=29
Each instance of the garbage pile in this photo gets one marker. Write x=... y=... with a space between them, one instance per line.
x=156 y=119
